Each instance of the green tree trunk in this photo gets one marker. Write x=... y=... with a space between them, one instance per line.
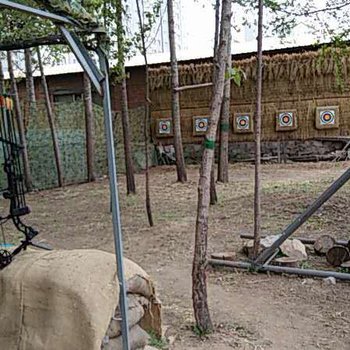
x=199 y=284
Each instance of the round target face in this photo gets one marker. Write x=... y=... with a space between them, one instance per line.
x=242 y=122
x=327 y=117
x=201 y=125
x=164 y=127
x=286 y=119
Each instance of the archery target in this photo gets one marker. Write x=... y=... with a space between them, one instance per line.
x=286 y=119
x=242 y=122
x=165 y=127
x=327 y=117
x=200 y=125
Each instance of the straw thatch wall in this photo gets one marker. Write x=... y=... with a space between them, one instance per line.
x=300 y=82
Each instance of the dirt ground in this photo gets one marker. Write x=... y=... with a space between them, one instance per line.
x=250 y=311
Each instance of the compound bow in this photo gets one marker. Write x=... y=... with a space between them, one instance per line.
x=15 y=190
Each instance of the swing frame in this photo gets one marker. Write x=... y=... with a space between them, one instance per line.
x=99 y=77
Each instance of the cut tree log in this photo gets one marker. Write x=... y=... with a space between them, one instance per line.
x=224 y=256
x=346 y=265
x=287 y=261
x=323 y=244
x=337 y=255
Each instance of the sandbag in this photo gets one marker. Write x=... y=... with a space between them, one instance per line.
x=136 y=310
x=60 y=300
x=138 y=340
x=57 y=300
x=139 y=282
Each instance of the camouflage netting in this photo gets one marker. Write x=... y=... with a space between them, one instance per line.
x=70 y=124
x=294 y=66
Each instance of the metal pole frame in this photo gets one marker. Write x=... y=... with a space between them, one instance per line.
x=101 y=82
x=280 y=269
x=113 y=184
x=36 y=12
x=302 y=218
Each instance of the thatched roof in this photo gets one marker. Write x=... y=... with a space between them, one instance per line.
x=287 y=66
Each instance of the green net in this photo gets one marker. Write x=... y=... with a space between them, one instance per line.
x=70 y=128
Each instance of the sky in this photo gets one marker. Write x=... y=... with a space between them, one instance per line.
x=194 y=20
x=197 y=30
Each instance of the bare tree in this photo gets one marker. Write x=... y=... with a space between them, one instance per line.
x=257 y=190
x=213 y=193
x=89 y=129
x=18 y=112
x=147 y=113
x=217 y=26
x=51 y=120
x=175 y=99
x=30 y=87
x=129 y=164
x=225 y=122
x=199 y=285
x=2 y=78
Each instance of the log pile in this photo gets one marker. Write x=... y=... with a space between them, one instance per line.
x=293 y=251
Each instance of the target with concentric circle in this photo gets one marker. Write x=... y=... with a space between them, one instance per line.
x=327 y=117
x=164 y=127
x=286 y=119
x=242 y=122
x=201 y=125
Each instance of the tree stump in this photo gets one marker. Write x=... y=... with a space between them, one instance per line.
x=323 y=244
x=224 y=256
x=287 y=261
x=337 y=255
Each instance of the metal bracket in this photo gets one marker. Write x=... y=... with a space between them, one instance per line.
x=83 y=57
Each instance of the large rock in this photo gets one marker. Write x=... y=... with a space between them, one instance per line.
x=267 y=241
x=294 y=249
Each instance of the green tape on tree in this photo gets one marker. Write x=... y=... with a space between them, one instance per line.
x=225 y=126
x=209 y=144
